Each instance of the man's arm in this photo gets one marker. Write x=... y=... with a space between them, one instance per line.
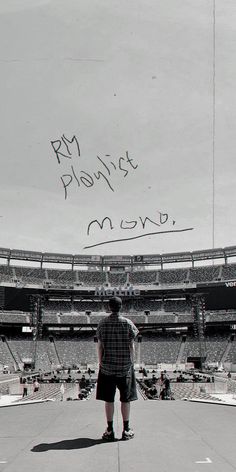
x=100 y=351
x=132 y=351
x=133 y=334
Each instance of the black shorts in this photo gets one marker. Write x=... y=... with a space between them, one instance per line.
x=107 y=384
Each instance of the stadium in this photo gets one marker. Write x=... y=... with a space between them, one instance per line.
x=183 y=305
x=188 y=313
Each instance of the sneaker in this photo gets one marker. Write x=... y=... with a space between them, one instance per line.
x=108 y=436
x=127 y=435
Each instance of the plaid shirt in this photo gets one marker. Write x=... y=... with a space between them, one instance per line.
x=116 y=334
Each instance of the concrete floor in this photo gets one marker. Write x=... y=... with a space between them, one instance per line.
x=169 y=436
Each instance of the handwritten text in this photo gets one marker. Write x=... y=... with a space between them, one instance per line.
x=162 y=218
x=65 y=148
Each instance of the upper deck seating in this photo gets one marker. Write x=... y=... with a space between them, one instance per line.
x=62 y=276
x=6 y=273
x=116 y=279
x=173 y=276
x=91 y=278
x=204 y=274
x=143 y=277
x=30 y=275
x=229 y=272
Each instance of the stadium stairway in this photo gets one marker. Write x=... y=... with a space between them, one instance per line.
x=52 y=391
x=227 y=350
x=188 y=391
x=182 y=391
x=181 y=352
x=231 y=387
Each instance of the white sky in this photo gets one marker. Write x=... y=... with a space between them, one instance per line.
x=120 y=75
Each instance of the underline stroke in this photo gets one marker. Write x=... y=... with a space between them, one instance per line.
x=137 y=237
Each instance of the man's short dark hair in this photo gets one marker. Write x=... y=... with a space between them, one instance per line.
x=115 y=304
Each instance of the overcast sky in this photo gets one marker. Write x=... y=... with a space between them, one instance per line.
x=130 y=86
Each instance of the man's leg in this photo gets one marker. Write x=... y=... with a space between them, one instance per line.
x=109 y=409
x=106 y=389
x=125 y=411
x=109 y=433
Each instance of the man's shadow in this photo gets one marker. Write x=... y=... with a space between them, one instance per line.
x=78 y=443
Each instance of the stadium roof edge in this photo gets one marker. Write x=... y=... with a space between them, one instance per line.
x=145 y=259
x=176 y=257
x=230 y=251
x=205 y=254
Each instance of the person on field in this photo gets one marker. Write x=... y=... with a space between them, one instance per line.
x=116 y=336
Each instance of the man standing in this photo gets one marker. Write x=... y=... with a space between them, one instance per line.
x=62 y=391
x=25 y=388
x=165 y=393
x=116 y=336
x=36 y=385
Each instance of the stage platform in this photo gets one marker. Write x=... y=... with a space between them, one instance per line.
x=169 y=436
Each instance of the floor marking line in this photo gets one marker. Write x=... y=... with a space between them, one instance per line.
x=207 y=461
